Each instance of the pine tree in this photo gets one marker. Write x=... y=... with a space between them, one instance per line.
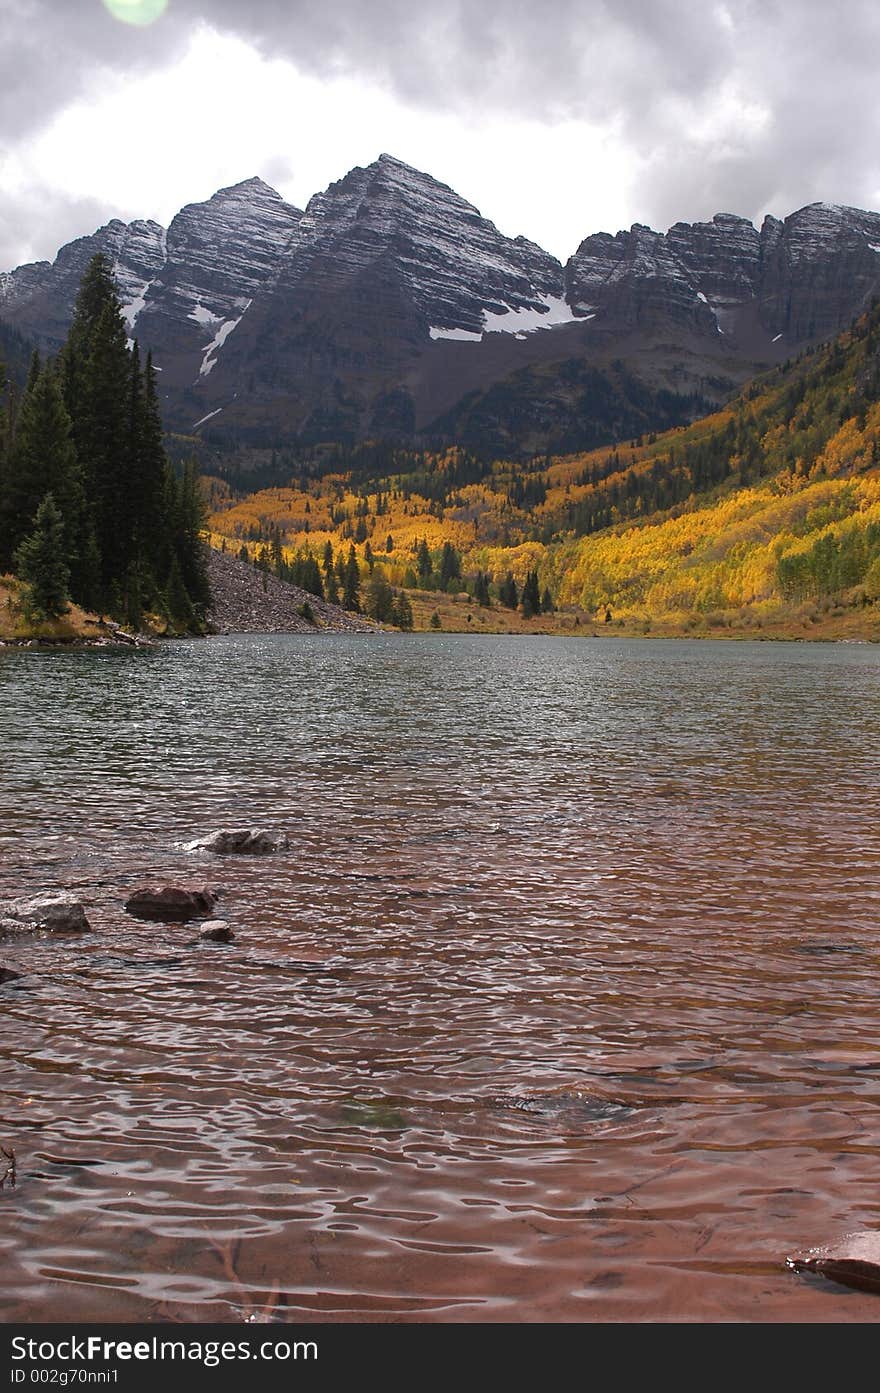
x=178 y=605
x=531 y=595
x=507 y=592
x=424 y=564
x=190 y=521
x=401 y=611
x=481 y=590
x=352 y=584
x=41 y=563
x=98 y=389
x=149 y=465
x=43 y=460
x=450 y=566
x=380 y=597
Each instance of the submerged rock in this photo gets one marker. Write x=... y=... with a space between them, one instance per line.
x=170 y=903
x=57 y=913
x=568 y=1109
x=8 y=974
x=242 y=841
x=216 y=931
x=854 y=1261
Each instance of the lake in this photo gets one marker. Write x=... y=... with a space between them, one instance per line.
x=562 y=1006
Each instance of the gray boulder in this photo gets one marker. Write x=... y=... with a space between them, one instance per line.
x=217 y=931
x=241 y=841
x=57 y=913
x=170 y=903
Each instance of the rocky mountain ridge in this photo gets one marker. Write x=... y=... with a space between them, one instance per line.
x=391 y=307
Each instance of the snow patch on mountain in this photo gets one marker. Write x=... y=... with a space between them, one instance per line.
x=466 y=335
x=217 y=342
x=132 y=309
x=517 y=320
x=523 y=320
x=204 y=316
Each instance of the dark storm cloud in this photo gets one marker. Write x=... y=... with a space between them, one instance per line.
x=797 y=79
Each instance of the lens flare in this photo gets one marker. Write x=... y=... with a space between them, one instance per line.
x=140 y=12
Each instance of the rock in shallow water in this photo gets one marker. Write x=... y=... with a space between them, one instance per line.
x=170 y=904
x=854 y=1261
x=57 y=913
x=242 y=841
x=8 y=974
x=216 y=931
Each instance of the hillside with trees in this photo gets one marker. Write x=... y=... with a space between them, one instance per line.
x=766 y=513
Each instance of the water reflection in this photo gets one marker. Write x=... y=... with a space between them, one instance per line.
x=561 y=1006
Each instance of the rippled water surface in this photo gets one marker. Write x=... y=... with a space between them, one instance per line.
x=564 y=1004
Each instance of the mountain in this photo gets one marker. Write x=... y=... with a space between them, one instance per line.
x=390 y=308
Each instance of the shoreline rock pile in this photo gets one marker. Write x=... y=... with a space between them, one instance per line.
x=248 y=601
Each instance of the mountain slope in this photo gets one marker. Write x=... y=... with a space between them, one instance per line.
x=764 y=516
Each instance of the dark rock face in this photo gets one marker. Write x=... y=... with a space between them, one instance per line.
x=55 y=913
x=242 y=842
x=170 y=904
x=389 y=265
x=803 y=279
x=391 y=308
x=219 y=254
x=8 y=974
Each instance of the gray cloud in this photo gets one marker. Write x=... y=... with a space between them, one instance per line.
x=36 y=208
x=652 y=69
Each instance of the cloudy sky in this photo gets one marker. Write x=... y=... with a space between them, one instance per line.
x=556 y=119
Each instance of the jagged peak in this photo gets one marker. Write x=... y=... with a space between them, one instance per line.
x=386 y=161
x=402 y=173
x=254 y=185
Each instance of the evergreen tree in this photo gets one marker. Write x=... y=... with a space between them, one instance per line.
x=98 y=389
x=547 y=601
x=380 y=597
x=450 y=566
x=43 y=460
x=41 y=563
x=481 y=590
x=190 y=520
x=178 y=605
x=424 y=564
x=401 y=611
x=352 y=583
x=508 y=593
x=531 y=595
x=150 y=464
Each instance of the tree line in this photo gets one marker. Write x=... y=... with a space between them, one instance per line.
x=90 y=508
